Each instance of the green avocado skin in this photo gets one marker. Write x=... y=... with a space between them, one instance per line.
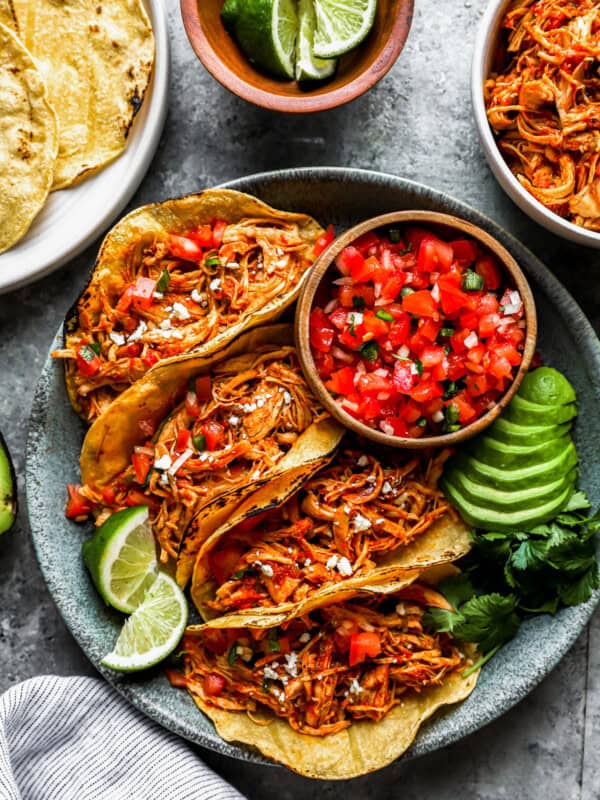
x=8 y=487
x=522 y=470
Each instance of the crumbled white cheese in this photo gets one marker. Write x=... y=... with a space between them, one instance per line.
x=266 y=569
x=471 y=340
x=179 y=462
x=304 y=638
x=255 y=475
x=371 y=479
x=165 y=325
x=287 y=398
x=260 y=402
x=138 y=332
x=362 y=461
x=386 y=488
x=307 y=562
x=197 y=296
x=232 y=265
x=233 y=420
x=361 y=523
x=157 y=295
x=355 y=687
x=401 y=609
x=215 y=285
x=331 y=562
x=164 y=462
x=117 y=338
x=291 y=664
x=180 y=311
x=270 y=673
x=344 y=567
x=164 y=479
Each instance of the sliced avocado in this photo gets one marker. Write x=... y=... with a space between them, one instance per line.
x=505 y=430
x=510 y=456
x=535 y=475
x=524 y=499
x=8 y=489
x=547 y=387
x=517 y=520
x=525 y=412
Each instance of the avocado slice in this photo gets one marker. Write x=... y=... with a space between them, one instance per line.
x=8 y=489
x=526 y=412
x=501 y=500
x=512 y=432
x=498 y=478
x=547 y=387
x=509 y=456
x=517 y=520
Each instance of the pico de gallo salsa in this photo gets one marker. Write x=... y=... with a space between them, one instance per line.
x=421 y=335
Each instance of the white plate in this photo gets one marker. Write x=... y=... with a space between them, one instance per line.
x=73 y=218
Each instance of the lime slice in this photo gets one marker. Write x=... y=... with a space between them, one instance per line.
x=154 y=629
x=308 y=67
x=266 y=32
x=341 y=25
x=121 y=557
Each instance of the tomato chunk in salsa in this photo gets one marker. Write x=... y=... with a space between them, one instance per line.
x=420 y=336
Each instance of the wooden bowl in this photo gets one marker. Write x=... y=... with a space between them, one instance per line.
x=448 y=226
x=357 y=71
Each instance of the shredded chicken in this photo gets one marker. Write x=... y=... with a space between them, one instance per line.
x=352 y=513
x=543 y=103
x=257 y=262
x=255 y=416
x=303 y=673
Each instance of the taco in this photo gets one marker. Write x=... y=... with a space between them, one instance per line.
x=334 y=694
x=200 y=433
x=185 y=275
x=358 y=521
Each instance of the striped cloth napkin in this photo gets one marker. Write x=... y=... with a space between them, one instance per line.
x=77 y=739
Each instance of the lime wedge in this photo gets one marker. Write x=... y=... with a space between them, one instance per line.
x=266 y=32
x=121 y=557
x=342 y=25
x=154 y=629
x=308 y=67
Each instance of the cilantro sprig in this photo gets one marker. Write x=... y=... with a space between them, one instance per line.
x=509 y=576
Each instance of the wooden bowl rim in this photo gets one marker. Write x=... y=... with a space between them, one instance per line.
x=320 y=267
x=388 y=54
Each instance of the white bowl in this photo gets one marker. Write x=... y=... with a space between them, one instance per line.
x=485 y=46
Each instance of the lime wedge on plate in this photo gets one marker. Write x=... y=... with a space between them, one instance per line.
x=154 y=629
x=342 y=25
x=308 y=67
x=121 y=557
x=266 y=32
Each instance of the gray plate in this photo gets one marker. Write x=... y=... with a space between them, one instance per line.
x=343 y=197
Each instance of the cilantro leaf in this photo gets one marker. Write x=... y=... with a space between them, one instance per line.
x=457 y=589
x=581 y=590
x=490 y=620
x=577 y=502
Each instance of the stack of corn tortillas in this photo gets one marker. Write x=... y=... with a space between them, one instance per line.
x=72 y=78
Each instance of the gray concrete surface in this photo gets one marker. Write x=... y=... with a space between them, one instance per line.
x=416 y=123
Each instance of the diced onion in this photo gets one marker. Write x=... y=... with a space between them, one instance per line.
x=331 y=305
x=345 y=281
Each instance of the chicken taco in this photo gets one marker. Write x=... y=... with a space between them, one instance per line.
x=334 y=694
x=200 y=433
x=358 y=521
x=185 y=275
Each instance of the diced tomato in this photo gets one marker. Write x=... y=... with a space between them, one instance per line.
x=321 y=331
x=500 y=367
x=466 y=412
x=411 y=411
x=184 y=248
x=351 y=340
x=109 y=495
x=469 y=319
x=88 y=362
x=366 y=241
x=434 y=254
x=142 y=462
x=342 y=382
x=452 y=298
x=456 y=367
x=414 y=237
x=202 y=236
x=488 y=269
x=150 y=358
x=398 y=426
x=440 y=371
x=363 y=645
x=323 y=242
x=213 y=684
x=176 y=678
x=343 y=634
x=392 y=287
x=325 y=364
x=134 y=349
x=143 y=293
x=192 y=406
x=464 y=250
x=137 y=498
x=351 y=262
x=203 y=384
x=488 y=324
x=403 y=378
x=218 y=229
x=78 y=507
x=125 y=300
x=213 y=433
x=420 y=304
x=222 y=561
x=379 y=328
x=431 y=356
x=430 y=328
x=426 y=390
x=399 y=330
x=365 y=295
x=184 y=437
x=368 y=383
x=370 y=408
x=477 y=385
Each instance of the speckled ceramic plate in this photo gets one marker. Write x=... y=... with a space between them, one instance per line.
x=344 y=197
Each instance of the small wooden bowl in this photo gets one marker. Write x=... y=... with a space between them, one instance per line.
x=447 y=226
x=357 y=71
